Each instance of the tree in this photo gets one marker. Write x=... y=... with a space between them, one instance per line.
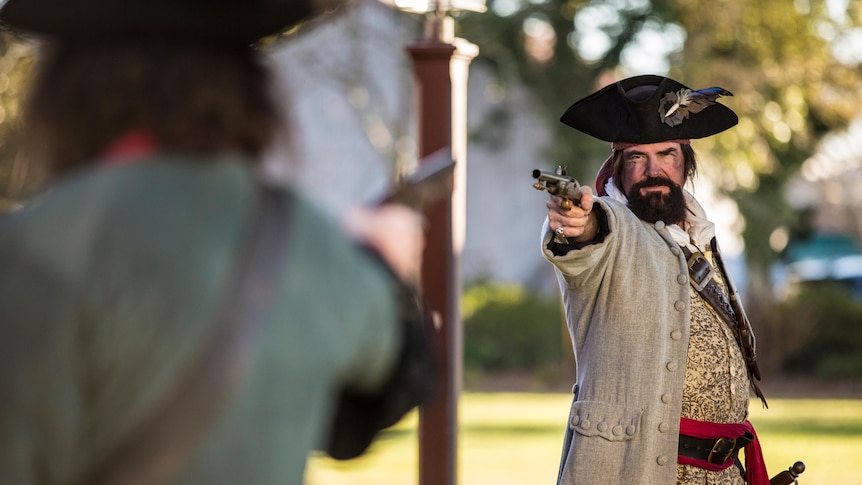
x=793 y=86
x=784 y=61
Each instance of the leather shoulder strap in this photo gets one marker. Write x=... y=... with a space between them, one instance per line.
x=729 y=310
x=159 y=445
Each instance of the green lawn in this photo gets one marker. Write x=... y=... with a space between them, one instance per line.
x=515 y=438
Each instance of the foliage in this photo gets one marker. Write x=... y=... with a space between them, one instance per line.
x=507 y=328
x=554 y=82
x=819 y=331
x=789 y=64
x=15 y=174
x=792 y=86
x=792 y=65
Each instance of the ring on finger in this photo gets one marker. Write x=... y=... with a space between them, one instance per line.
x=560 y=230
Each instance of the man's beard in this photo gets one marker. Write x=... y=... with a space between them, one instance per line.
x=655 y=206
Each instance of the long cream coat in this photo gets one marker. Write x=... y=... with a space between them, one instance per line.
x=627 y=305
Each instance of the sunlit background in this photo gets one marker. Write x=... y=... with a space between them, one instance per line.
x=784 y=186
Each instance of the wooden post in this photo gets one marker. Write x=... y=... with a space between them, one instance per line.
x=440 y=71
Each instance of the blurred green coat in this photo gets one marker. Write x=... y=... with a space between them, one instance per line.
x=110 y=283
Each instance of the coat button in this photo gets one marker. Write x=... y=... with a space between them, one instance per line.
x=618 y=430
x=602 y=427
x=659 y=225
x=585 y=424
x=665 y=398
x=663 y=427
x=575 y=420
x=679 y=305
x=682 y=279
x=662 y=460
x=676 y=335
x=671 y=366
x=674 y=251
x=630 y=430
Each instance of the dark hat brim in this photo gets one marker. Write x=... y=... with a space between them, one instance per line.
x=237 y=22
x=611 y=114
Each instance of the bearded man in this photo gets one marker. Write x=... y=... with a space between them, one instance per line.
x=664 y=355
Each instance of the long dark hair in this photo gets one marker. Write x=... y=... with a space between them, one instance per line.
x=193 y=99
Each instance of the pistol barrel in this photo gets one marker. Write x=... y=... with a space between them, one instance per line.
x=544 y=176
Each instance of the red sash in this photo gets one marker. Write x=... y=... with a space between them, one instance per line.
x=754 y=464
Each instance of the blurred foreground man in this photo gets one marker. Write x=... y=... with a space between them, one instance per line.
x=165 y=316
x=665 y=357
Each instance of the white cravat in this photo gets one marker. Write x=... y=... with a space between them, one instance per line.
x=700 y=229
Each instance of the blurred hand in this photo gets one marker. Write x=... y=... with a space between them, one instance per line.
x=577 y=222
x=395 y=232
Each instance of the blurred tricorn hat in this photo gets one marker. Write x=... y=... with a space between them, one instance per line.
x=650 y=109
x=224 y=21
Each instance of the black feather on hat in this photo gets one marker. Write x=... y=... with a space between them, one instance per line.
x=650 y=109
x=227 y=21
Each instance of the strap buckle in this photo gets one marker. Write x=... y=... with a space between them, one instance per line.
x=700 y=272
x=722 y=446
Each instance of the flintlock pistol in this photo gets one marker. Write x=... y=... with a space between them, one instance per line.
x=558 y=183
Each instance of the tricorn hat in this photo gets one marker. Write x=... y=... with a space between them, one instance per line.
x=225 y=21
x=650 y=109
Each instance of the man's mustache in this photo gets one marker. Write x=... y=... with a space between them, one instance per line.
x=654 y=182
